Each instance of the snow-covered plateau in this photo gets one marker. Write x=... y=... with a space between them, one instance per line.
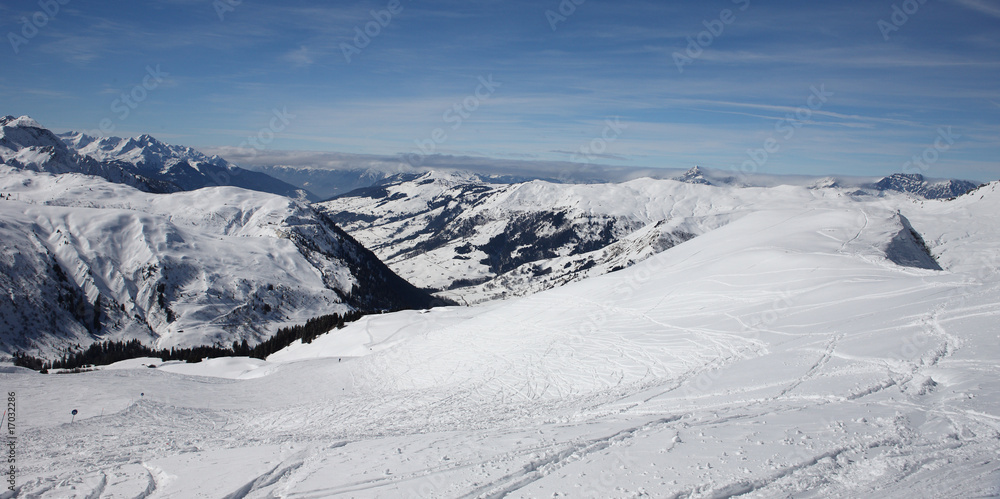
x=807 y=343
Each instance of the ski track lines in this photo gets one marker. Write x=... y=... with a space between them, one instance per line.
x=540 y=468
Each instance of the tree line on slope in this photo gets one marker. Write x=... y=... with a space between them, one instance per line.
x=109 y=352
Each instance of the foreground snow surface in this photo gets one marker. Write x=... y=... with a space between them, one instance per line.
x=780 y=355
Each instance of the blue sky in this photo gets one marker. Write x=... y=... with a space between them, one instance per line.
x=598 y=82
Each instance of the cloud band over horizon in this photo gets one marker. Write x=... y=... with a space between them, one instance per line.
x=691 y=83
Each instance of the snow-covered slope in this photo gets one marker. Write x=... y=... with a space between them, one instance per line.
x=84 y=259
x=783 y=354
x=184 y=167
x=962 y=233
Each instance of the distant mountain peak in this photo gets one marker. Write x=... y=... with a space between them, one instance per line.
x=903 y=177
x=23 y=122
x=694 y=176
x=25 y=133
x=449 y=176
x=826 y=183
x=917 y=184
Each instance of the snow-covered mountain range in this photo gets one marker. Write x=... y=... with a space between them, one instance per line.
x=141 y=162
x=469 y=236
x=475 y=241
x=912 y=183
x=331 y=175
x=24 y=144
x=126 y=238
x=331 y=183
x=181 y=166
x=84 y=259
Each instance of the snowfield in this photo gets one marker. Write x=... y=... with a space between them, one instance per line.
x=783 y=353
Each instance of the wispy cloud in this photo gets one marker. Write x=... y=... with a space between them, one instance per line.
x=301 y=57
x=76 y=49
x=981 y=6
x=49 y=94
x=785 y=111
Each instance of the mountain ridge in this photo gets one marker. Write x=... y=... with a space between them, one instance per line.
x=142 y=162
x=88 y=260
x=183 y=166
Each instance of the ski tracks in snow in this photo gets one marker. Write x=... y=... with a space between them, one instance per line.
x=539 y=468
x=816 y=368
